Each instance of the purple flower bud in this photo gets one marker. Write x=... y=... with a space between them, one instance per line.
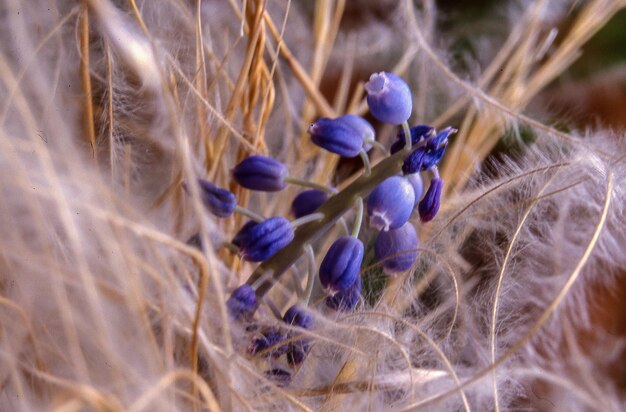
x=390 y=204
x=260 y=173
x=242 y=302
x=261 y=241
x=418 y=133
x=397 y=249
x=363 y=127
x=423 y=159
x=429 y=205
x=308 y=202
x=342 y=264
x=441 y=138
x=336 y=136
x=296 y=354
x=270 y=339
x=243 y=233
x=389 y=98
x=347 y=299
x=279 y=376
x=416 y=181
x=413 y=162
x=218 y=201
x=297 y=316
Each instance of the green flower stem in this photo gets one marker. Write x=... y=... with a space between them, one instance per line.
x=335 y=207
x=312 y=274
x=306 y=183
x=306 y=219
x=359 y=217
x=249 y=213
x=366 y=162
x=407 y=136
x=377 y=145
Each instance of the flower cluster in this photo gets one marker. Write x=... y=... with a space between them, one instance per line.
x=390 y=197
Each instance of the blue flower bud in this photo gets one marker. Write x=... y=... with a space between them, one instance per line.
x=423 y=159
x=362 y=126
x=337 y=136
x=441 y=138
x=397 y=249
x=280 y=377
x=413 y=162
x=342 y=264
x=347 y=299
x=297 y=316
x=390 y=204
x=243 y=233
x=389 y=98
x=429 y=205
x=270 y=339
x=308 y=202
x=260 y=173
x=416 y=181
x=242 y=302
x=220 y=202
x=296 y=354
x=418 y=133
x=261 y=241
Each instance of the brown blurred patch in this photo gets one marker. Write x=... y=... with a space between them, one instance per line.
x=599 y=101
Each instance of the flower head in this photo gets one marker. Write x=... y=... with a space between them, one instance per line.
x=429 y=155
x=390 y=204
x=429 y=205
x=362 y=126
x=262 y=240
x=347 y=299
x=296 y=315
x=260 y=173
x=337 y=136
x=397 y=249
x=441 y=138
x=308 y=202
x=242 y=303
x=342 y=264
x=243 y=233
x=220 y=202
x=418 y=133
x=389 y=98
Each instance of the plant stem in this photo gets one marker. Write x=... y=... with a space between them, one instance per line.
x=249 y=213
x=366 y=162
x=311 y=276
x=306 y=219
x=359 y=217
x=306 y=183
x=377 y=145
x=407 y=136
